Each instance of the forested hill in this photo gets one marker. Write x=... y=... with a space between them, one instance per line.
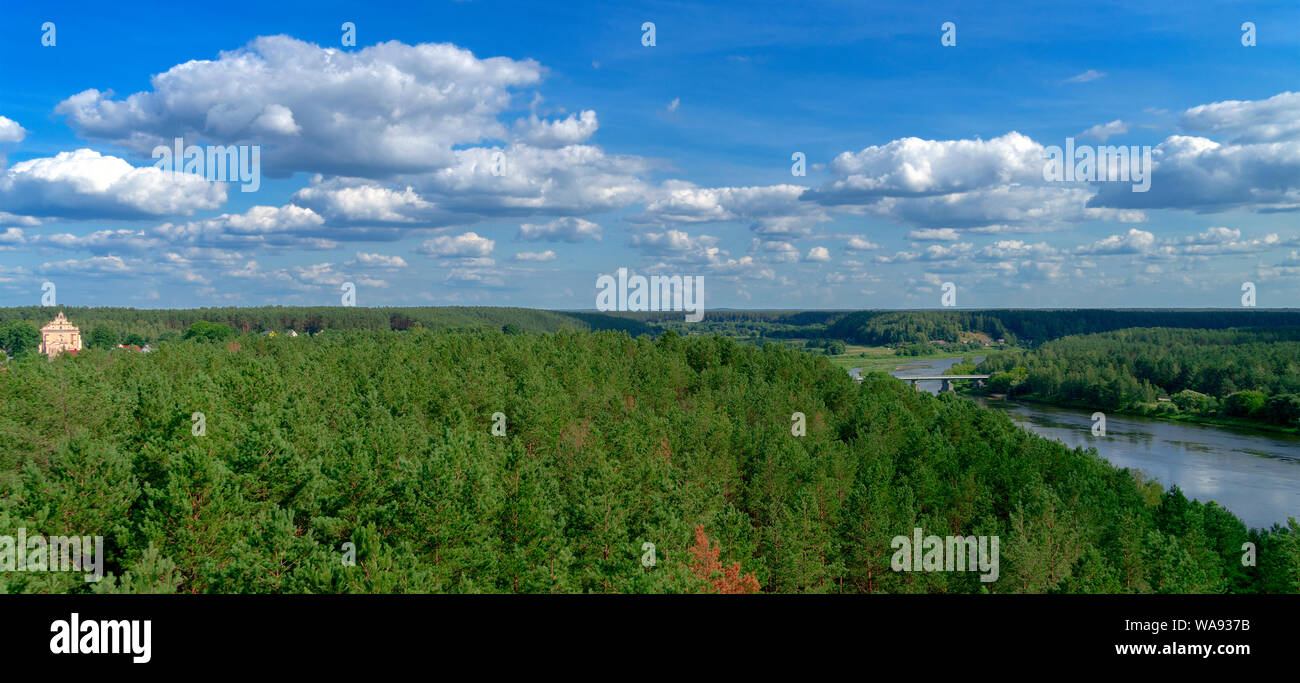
x=154 y=324
x=385 y=440
x=889 y=327
x=874 y=328
x=1248 y=374
x=881 y=327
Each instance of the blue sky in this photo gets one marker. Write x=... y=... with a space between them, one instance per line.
x=923 y=160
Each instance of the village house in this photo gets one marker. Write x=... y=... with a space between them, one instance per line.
x=60 y=335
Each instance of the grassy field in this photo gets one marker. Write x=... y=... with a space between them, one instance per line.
x=880 y=358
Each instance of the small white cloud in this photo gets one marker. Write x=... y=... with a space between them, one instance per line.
x=1102 y=131
x=678 y=244
x=380 y=260
x=1134 y=242
x=318 y=274
x=933 y=235
x=1252 y=121
x=468 y=245
x=859 y=244
x=95 y=265
x=11 y=237
x=535 y=256
x=778 y=251
x=10 y=131
x=566 y=229
x=1089 y=75
x=571 y=131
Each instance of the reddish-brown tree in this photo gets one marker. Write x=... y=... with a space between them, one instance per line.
x=705 y=564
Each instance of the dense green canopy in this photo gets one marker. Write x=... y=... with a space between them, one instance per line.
x=1251 y=374
x=384 y=439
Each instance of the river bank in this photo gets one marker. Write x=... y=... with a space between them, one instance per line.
x=1253 y=473
x=1239 y=424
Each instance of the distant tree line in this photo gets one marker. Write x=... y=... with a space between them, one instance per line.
x=910 y=332
x=1251 y=373
x=108 y=327
x=1036 y=326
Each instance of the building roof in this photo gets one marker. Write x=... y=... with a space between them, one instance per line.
x=59 y=324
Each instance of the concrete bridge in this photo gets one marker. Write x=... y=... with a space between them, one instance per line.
x=947 y=379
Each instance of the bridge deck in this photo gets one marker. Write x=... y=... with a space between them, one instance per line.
x=932 y=377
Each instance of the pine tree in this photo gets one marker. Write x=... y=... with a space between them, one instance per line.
x=707 y=567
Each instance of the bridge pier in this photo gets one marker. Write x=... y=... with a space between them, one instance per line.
x=949 y=382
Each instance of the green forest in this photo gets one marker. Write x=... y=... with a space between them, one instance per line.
x=1248 y=374
x=924 y=332
x=107 y=327
x=1036 y=326
x=388 y=440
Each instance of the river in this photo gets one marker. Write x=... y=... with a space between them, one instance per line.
x=1256 y=475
